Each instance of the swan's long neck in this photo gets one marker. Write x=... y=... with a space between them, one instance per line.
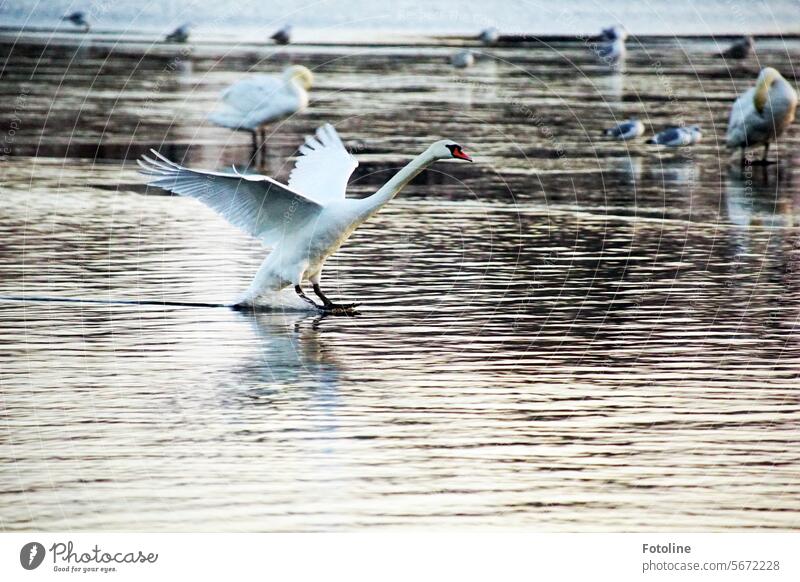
x=399 y=181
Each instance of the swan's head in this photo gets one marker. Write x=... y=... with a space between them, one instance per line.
x=446 y=149
x=766 y=78
x=300 y=74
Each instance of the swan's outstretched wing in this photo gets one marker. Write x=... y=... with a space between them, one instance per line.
x=322 y=171
x=259 y=205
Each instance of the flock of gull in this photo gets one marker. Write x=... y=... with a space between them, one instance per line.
x=306 y=220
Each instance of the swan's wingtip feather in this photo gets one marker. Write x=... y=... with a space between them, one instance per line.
x=166 y=160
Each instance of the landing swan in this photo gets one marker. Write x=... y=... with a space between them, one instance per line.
x=304 y=221
x=761 y=113
x=251 y=103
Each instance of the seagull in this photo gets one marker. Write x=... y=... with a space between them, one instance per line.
x=677 y=136
x=251 y=103
x=180 y=34
x=283 y=36
x=761 y=113
x=740 y=49
x=304 y=221
x=462 y=59
x=489 y=35
x=78 y=19
x=613 y=48
x=626 y=130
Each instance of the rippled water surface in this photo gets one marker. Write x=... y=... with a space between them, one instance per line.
x=570 y=334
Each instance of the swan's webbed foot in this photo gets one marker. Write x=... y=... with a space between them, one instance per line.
x=335 y=308
x=341 y=308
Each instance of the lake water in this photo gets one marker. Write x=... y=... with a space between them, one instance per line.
x=571 y=334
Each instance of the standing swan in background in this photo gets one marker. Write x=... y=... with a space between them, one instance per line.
x=305 y=221
x=249 y=104
x=761 y=113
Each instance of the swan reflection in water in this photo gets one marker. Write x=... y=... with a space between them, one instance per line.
x=763 y=215
x=754 y=197
x=291 y=353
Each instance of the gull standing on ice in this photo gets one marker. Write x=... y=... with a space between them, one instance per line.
x=283 y=36
x=626 y=130
x=180 y=34
x=78 y=19
x=613 y=50
x=489 y=35
x=462 y=59
x=677 y=136
x=304 y=221
x=740 y=49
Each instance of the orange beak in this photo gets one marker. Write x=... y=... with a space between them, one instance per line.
x=461 y=155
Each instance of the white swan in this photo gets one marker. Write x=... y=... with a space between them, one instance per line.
x=251 y=103
x=305 y=221
x=761 y=113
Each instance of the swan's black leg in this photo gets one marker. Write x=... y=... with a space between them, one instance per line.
x=330 y=305
x=764 y=161
x=299 y=290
